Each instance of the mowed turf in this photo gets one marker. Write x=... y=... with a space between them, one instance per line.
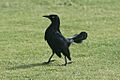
x=23 y=49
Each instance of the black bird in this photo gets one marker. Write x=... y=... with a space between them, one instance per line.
x=57 y=42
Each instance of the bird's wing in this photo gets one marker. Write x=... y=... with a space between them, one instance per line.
x=62 y=45
x=59 y=40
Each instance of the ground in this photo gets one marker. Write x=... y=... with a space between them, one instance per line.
x=23 y=49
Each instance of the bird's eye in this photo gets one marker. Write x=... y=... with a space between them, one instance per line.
x=53 y=17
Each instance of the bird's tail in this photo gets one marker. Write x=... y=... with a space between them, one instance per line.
x=78 y=38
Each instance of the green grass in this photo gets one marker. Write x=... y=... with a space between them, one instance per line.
x=23 y=49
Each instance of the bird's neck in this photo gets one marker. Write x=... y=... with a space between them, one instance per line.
x=55 y=24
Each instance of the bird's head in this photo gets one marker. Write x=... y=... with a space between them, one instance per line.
x=52 y=17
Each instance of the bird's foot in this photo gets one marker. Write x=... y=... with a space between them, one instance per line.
x=45 y=63
x=70 y=62
x=67 y=63
x=48 y=61
x=63 y=65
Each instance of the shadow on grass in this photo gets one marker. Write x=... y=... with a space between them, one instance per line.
x=25 y=66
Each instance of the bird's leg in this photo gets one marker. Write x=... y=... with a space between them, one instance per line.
x=65 y=61
x=50 y=57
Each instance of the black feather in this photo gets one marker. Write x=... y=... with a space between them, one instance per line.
x=57 y=42
x=80 y=37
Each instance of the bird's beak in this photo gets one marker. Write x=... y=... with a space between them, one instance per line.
x=46 y=16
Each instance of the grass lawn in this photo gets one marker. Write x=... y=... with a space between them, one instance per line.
x=23 y=49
